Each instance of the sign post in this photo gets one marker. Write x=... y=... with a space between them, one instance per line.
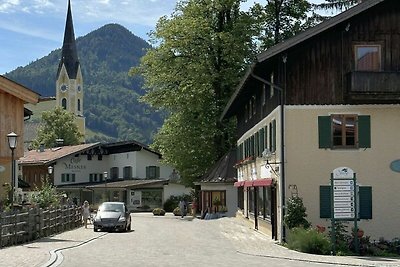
x=344 y=200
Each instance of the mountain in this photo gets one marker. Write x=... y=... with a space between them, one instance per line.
x=111 y=106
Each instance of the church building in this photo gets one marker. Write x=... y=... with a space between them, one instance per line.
x=69 y=84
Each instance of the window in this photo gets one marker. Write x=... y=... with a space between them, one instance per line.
x=272 y=136
x=67 y=177
x=344 y=131
x=64 y=103
x=127 y=172
x=114 y=173
x=272 y=89
x=264 y=202
x=152 y=172
x=79 y=105
x=368 y=57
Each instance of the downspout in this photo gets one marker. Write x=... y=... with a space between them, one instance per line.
x=282 y=175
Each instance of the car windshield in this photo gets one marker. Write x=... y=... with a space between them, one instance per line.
x=112 y=207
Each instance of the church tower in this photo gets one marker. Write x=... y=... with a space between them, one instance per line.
x=69 y=84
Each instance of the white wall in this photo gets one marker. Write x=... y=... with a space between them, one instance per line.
x=175 y=190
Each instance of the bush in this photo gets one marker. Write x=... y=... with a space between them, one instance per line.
x=309 y=241
x=158 y=212
x=177 y=211
x=173 y=201
x=296 y=213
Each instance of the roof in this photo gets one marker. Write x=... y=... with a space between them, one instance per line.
x=18 y=90
x=69 y=54
x=222 y=171
x=48 y=156
x=123 y=184
x=128 y=146
x=292 y=42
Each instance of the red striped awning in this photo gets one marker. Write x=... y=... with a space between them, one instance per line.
x=238 y=184
x=262 y=182
x=248 y=183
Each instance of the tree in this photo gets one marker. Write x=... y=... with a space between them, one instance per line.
x=200 y=55
x=338 y=5
x=57 y=124
x=279 y=20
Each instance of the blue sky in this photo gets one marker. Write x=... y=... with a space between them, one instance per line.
x=31 y=29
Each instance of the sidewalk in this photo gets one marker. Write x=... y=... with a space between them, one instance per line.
x=250 y=242
x=39 y=252
x=42 y=253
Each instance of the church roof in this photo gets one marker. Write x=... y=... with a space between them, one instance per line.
x=69 y=55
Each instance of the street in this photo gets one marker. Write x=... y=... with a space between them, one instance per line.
x=170 y=241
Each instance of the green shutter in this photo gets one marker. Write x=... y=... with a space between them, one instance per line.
x=364 y=131
x=157 y=172
x=325 y=201
x=324 y=131
x=147 y=172
x=256 y=145
x=365 y=198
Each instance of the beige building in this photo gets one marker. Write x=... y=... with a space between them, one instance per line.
x=326 y=99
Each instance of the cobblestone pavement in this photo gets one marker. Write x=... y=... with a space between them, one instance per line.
x=170 y=239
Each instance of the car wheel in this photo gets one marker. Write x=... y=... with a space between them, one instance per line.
x=95 y=229
x=129 y=226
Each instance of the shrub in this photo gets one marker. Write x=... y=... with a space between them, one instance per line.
x=158 y=212
x=177 y=211
x=309 y=241
x=296 y=213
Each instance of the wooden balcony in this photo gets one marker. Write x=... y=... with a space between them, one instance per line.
x=373 y=87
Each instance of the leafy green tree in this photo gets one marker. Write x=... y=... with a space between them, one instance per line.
x=57 y=124
x=200 y=53
x=279 y=20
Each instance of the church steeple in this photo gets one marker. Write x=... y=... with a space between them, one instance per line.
x=69 y=83
x=69 y=56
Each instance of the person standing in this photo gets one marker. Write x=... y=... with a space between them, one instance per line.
x=182 y=208
x=85 y=212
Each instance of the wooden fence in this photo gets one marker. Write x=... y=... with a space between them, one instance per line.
x=17 y=227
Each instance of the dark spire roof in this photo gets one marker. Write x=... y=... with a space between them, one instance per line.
x=69 y=56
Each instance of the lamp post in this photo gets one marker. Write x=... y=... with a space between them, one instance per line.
x=50 y=170
x=105 y=178
x=12 y=143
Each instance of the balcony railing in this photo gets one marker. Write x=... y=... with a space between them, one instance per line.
x=377 y=85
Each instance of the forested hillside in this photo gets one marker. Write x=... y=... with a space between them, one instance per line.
x=111 y=105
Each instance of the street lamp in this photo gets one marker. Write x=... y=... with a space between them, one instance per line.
x=105 y=178
x=12 y=143
x=50 y=170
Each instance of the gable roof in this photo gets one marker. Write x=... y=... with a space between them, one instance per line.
x=125 y=146
x=48 y=156
x=18 y=90
x=223 y=170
